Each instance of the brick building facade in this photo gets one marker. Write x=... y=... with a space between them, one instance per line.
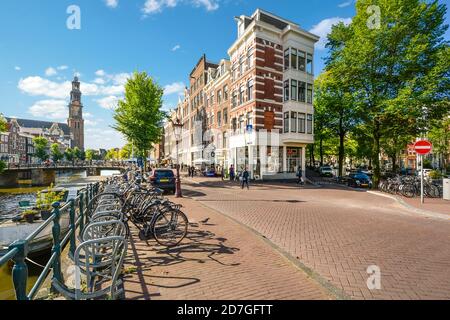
x=256 y=109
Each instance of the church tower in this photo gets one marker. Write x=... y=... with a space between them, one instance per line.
x=75 y=120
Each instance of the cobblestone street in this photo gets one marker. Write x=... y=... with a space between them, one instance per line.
x=338 y=233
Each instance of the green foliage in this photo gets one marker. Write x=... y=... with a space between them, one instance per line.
x=125 y=152
x=77 y=153
x=44 y=200
x=397 y=74
x=427 y=164
x=439 y=135
x=69 y=154
x=3 y=124
x=435 y=174
x=92 y=155
x=55 y=152
x=2 y=166
x=40 y=148
x=113 y=154
x=139 y=116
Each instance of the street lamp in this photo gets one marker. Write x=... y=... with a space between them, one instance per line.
x=178 y=128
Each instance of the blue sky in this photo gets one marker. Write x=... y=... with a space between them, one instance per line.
x=39 y=55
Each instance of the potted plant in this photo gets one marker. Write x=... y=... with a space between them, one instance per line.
x=46 y=199
x=29 y=215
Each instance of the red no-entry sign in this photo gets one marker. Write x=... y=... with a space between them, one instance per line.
x=423 y=147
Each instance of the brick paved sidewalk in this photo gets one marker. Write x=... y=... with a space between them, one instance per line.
x=434 y=205
x=220 y=259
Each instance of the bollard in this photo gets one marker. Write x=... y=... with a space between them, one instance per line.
x=56 y=231
x=73 y=228
x=81 y=213
x=20 y=269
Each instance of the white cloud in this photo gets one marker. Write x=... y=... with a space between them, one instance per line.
x=323 y=28
x=104 y=138
x=50 y=72
x=99 y=81
x=62 y=68
x=210 y=5
x=177 y=47
x=109 y=103
x=17 y=68
x=176 y=87
x=112 y=3
x=345 y=4
x=50 y=109
x=37 y=86
x=100 y=73
x=156 y=6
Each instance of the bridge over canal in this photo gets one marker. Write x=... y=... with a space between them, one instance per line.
x=44 y=175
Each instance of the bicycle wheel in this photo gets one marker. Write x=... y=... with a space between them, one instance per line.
x=408 y=191
x=170 y=228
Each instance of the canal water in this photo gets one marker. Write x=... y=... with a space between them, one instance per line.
x=9 y=207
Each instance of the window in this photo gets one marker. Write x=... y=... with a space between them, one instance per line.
x=293 y=89
x=294 y=58
x=286 y=122
x=310 y=93
x=212 y=99
x=309 y=64
x=250 y=59
x=286 y=59
x=233 y=124
x=249 y=119
x=250 y=85
x=225 y=93
x=241 y=95
x=286 y=90
x=310 y=124
x=219 y=96
x=293 y=121
x=234 y=99
x=219 y=119
x=302 y=91
x=241 y=66
x=301 y=123
x=241 y=122
x=301 y=61
x=225 y=116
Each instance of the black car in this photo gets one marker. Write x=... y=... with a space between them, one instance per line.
x=163 y=179
x=359 y=180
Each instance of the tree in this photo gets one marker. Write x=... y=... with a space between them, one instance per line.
x=69 y=154
x=40 y=148
x=92 y=155
x=112 y=154
x=55 y=152
x=397 y=68
x=439 y=136
x=139 y=116
x=77 y=154
x=3 y=124
x=125 y=152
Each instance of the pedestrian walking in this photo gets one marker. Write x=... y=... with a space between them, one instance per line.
x=232 y=173
x=245 y=177
x=223 y=173
x=300 y=176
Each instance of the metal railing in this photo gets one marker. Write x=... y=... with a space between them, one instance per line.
x=63 y=165
x=19 y=250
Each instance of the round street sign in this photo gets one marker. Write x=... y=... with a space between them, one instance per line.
x=423 y=147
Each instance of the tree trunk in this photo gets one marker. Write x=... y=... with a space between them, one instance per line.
x=341 y=153
x=394 y=162
x=376 y=154
x=313 y=160
x=321 y=152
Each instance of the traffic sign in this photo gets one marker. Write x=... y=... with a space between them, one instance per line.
x=423 y=147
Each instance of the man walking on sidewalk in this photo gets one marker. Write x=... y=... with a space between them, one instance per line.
x=245 y=178
x=300 y=176
x=232 y=173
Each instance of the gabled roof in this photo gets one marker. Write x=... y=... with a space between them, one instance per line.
x=26 y=123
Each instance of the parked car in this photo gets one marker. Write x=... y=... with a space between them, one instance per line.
x=359 y=180
x=326 y=171
x=211 y=173
x=163 y=179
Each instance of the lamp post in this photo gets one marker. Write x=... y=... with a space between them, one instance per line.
x=177 y=128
